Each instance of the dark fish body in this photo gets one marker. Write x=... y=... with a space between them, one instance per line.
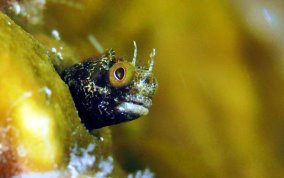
x=107 y=90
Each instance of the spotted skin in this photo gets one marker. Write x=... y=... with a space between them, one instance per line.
x=98 y=102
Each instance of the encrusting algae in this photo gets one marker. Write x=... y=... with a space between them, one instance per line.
x=40 y=131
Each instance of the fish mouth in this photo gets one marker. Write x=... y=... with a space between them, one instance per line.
x=135 y=104
x=132 y=108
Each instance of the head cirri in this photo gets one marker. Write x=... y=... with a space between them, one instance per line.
x=109 y=90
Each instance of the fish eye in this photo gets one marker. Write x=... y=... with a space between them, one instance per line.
x=121 y=74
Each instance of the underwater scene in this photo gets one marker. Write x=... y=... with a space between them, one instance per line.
x=141 y=89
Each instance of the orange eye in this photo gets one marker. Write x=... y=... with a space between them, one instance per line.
x=121 y=74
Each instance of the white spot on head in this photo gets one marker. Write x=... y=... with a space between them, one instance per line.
x=103 y=90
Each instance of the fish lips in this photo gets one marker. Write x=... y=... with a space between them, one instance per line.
x=136 y=105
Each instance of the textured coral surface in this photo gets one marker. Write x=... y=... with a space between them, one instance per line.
x=218 y=111
x=40 y=131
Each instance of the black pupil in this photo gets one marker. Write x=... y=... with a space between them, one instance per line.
x=119 y=73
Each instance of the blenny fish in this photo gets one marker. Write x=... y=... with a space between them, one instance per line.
x=108 y=90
